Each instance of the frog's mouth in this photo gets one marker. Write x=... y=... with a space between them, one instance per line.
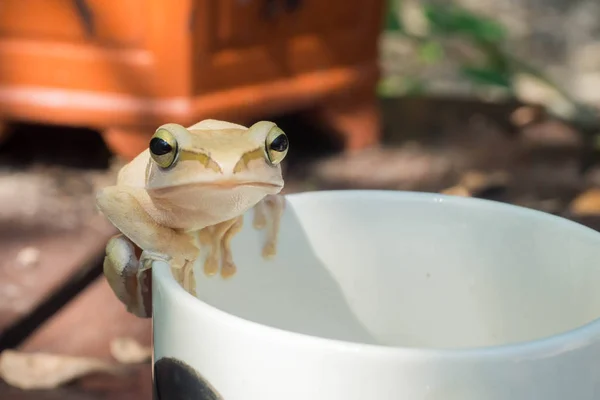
x=233 y=184
x=215 y=185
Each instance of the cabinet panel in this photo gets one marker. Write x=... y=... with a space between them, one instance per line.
x=332 y=34
x=117 y=21
x=240 y=42
x=243 y=23
x=99 y=21
x=318 y=52
x=235 y=44
x=48 y=19
x=319 y=16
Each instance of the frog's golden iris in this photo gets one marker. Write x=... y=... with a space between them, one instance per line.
x=163 y=148
x=276 y=145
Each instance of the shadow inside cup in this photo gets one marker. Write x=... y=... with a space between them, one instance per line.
x=413 y=270
x=294 y=291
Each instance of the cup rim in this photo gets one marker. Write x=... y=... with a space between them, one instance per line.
x=564 y=341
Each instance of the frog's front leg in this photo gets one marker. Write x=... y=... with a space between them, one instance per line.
x=123 y=209
x=130 y=278
x=218 y=239
x=228 y=267
x=121 y=266
x=267 y=215
x=184 y=275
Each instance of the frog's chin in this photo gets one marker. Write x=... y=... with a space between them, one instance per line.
x=190 y=208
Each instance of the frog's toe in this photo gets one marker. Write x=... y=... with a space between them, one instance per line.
x=211 y=266
x=228 y=269
x=269 y=250
x=188 y=278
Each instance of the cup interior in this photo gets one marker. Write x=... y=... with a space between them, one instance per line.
x=413 y=270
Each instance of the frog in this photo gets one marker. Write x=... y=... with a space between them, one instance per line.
x=184 y=198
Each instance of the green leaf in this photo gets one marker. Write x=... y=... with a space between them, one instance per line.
x=394 y=86
x=487 y=76
x=392 y=22
x=431 y=51
x=446 y=19
x=385 y=88
x=414 y=87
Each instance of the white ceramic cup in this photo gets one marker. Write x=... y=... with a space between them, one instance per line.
x=390 y=296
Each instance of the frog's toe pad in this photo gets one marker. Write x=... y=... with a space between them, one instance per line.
x=211 y=266
x=228 y=269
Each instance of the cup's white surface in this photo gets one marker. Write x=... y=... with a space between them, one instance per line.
x=392 y=295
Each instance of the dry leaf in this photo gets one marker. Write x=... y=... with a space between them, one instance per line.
x=129 y=351
x=476 y=181
x=532 y=90
x=526 y=115
x=48 y=371
x=587 y=203
x=28 y=257
x=457 y=190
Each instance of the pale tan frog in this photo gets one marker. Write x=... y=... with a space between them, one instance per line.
x=187 y=191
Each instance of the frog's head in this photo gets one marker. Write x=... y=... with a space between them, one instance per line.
x=214 y=158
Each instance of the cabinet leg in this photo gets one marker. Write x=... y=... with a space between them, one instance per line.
x=127 y=142
x=355 y=118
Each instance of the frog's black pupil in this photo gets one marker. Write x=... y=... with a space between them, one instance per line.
x=280 y=143
x=159 y=146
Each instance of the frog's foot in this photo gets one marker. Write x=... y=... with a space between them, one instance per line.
x=186 y=277
x=228 y=267
x=267 y=214
x=211 y=263
x=148 y=257
x=218 y=239
x=181 y=269
x=260 y=215
x=128 y=278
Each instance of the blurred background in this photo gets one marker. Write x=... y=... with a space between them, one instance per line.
x=479 y=98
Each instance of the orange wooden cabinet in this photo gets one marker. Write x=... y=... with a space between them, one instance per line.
x=126 y=66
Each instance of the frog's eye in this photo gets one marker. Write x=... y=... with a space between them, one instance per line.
x=163 y=148
x=276 y=145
